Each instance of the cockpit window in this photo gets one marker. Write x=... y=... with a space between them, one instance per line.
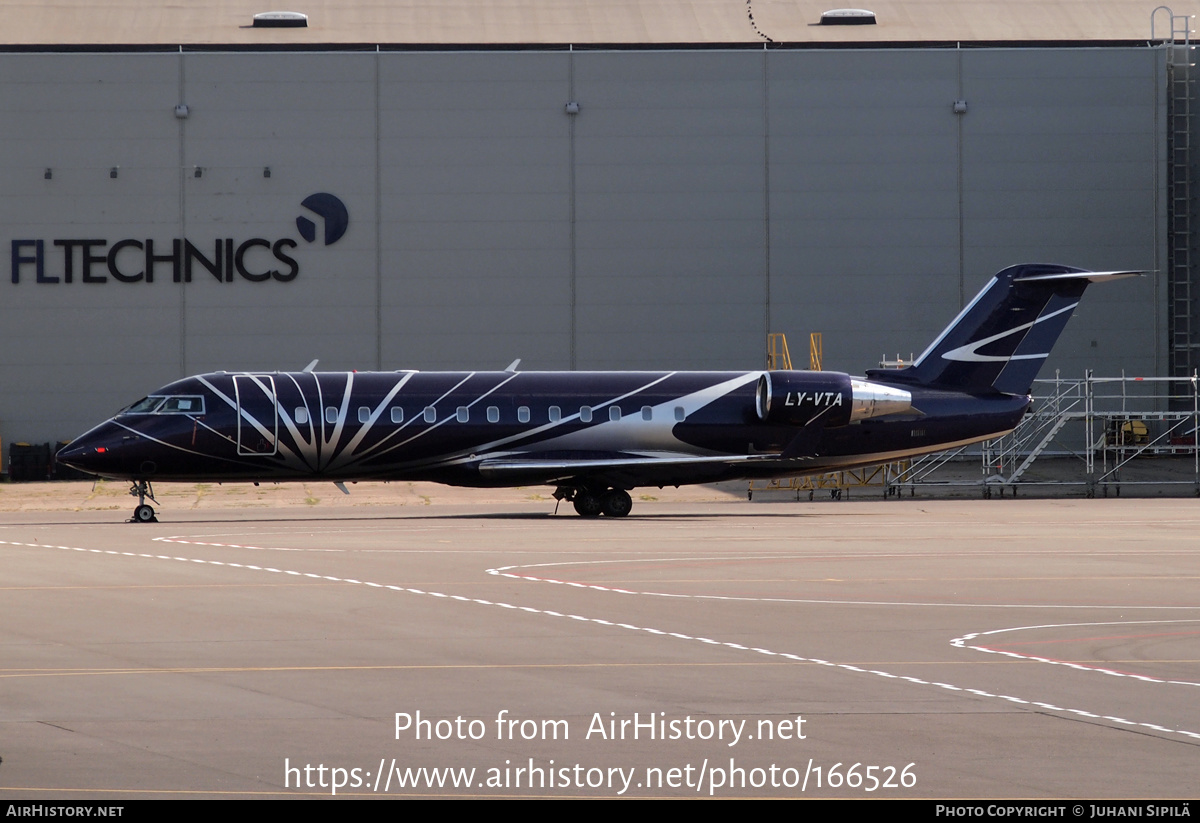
x=172 y=404
x=145 y=406
x=182 y=404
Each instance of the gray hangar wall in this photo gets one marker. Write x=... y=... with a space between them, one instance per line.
x=696 y=201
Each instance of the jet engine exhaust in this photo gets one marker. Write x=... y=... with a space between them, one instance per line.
x=876 y=400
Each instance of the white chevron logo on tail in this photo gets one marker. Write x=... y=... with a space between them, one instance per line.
x=970 y=352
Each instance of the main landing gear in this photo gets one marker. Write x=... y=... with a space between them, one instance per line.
x=592 y=503
x=144 y=513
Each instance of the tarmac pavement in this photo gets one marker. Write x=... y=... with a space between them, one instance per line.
x=423 y=641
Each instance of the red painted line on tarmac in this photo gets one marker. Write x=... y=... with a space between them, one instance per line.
x=1107 y=637
x=1066 y=662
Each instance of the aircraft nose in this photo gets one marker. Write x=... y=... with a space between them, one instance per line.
x=94 y=452
x=82 y=456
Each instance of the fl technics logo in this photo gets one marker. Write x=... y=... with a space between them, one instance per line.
x=330 y=210
x=65 y=260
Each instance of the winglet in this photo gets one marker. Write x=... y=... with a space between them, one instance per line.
x=311 y=366
x=512 y=367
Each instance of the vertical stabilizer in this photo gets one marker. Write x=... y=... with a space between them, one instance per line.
x=1002 y=338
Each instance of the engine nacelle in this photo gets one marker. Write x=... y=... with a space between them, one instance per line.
x=798 y=398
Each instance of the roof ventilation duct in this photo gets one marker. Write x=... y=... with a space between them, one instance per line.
x=281 y=20
x=848 y=17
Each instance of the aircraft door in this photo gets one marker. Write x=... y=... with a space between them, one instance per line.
x=258 y=414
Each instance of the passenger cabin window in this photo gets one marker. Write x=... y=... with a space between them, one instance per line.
x=679 y=415
x=614 y=413
x=647 y=412
x=555 y=414
x=430 y=414
x=493 y=414
x=585 y=414
x=522 y=414
x=463 y=414
x=331 y=414
x=364 y=414
x=301 y=415
x=397 y=414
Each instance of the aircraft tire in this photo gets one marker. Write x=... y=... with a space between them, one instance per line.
x=144 y=514
x=587 y=504
x=616 y=503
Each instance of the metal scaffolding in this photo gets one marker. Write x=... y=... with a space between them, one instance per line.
x=1181 y=285
x=1107 y=424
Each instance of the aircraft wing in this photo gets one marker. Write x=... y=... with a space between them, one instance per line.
x=645 y=467
x=666 y=468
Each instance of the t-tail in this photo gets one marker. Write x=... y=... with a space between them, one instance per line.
x=999 y=342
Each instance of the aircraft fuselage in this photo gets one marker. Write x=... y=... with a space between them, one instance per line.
x=622 y=429
x=595 y=435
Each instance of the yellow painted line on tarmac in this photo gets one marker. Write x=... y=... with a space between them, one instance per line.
x=153 y=586
x=25 y=673
x=19 y=673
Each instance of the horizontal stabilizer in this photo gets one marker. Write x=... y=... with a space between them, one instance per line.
x=1090 y=276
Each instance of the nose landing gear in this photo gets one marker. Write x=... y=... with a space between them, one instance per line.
x=144 y=513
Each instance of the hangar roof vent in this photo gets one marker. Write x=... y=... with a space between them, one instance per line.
x=848 y=17
x=280 y=20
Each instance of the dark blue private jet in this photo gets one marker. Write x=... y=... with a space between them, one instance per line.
x=594 y=435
